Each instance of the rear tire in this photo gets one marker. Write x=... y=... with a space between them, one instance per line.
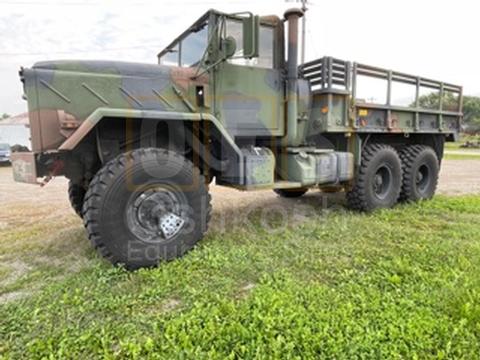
x=146 y=206
x=290 y=193
x=378 y=181
x=76 y=195
x=420 y=173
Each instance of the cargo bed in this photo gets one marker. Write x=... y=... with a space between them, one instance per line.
x=431 y=107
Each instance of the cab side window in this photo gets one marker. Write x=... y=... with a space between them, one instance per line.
x=265 y=58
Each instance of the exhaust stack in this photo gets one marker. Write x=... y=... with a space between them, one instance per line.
x=292 y=16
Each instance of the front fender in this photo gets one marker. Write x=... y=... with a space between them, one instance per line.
x=101 y=113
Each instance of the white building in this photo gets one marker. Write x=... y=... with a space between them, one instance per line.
x=15 y=130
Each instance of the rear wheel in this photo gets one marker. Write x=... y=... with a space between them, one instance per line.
x=378 y=181
x=146 y=206
x=76 y=195
x=420 y=172
x=290 y=193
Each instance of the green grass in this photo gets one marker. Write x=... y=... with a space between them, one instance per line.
x=456 y=147
x=453 y=145
x=403 y=283
x=464 y=138
x=461 y=157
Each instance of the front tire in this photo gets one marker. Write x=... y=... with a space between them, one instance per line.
x=76 y=195
x=146 y=206
x=420 y=173
x=378 y=181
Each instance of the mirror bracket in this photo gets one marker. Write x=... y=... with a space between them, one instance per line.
x=251 y=30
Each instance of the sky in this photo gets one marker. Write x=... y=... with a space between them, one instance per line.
x=435 y=39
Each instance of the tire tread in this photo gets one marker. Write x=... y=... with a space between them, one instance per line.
x=99 y=184
x=76 y=195
x=357 y=196
x=408 y=155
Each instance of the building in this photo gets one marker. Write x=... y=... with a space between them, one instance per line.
x=15 y=130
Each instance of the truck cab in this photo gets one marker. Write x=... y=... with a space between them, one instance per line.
x=246 y=90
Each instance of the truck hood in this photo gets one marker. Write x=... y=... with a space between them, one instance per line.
x=62 y=94
x=105 y=67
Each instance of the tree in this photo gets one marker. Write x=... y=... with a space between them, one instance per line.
x=471 y=113
x=432 y=101
x=471 y=108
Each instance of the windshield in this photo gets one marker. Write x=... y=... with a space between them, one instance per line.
x=193 y=47
x=4 y=147
x=189 y=50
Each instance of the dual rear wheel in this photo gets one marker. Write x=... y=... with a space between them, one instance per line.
x=420 y=167
x=386 y=176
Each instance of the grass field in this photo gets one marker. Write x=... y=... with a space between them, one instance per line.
x=454 y=151
x=403 y=283
x=459 y=156
x=464 y=138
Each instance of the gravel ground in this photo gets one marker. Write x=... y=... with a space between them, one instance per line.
x=457 y=177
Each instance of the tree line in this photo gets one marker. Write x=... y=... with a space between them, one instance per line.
x=471 y=108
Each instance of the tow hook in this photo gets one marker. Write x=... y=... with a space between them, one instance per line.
x=57 y=167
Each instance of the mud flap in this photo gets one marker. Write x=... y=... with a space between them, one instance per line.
x=24 y=167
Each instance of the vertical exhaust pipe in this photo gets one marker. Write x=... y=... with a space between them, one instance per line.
x=292 y=16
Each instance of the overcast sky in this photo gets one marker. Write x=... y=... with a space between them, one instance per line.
x=436 y=39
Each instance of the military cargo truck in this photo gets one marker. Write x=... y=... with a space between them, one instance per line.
x=228 y=102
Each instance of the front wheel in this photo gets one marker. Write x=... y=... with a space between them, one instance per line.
x=146 y=206
x=76 y=195
x=378 y=181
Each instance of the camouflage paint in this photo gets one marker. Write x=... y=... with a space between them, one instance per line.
x=310 y=166
x=67 y=99
x=249 y=100
x=259 y=167
x=78 y=88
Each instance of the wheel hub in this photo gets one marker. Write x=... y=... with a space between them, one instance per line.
x=170 y=224
x=155 y=215
x=419 y=177
x=423 y=177
x=378 y=181
x=382 y=181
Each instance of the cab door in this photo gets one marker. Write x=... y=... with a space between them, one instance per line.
x=249 y=93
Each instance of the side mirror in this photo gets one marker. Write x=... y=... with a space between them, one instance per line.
x=229 y=46
x=251 y=30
